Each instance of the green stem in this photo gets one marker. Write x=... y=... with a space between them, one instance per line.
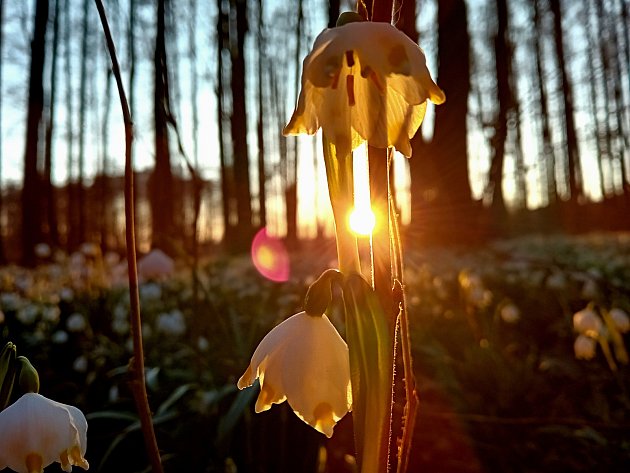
x=340 y=176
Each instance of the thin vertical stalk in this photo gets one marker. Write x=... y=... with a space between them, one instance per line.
x=136 y=366
x=400 y=299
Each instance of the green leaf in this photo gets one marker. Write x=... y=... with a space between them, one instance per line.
x=371 y=349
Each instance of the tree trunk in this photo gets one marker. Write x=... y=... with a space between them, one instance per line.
x=602 y=150
x=3 y=258
x=83 y=104
x=549 y=156
x=239 y=130
x=31 y=223
x=501 y=53
x=290 y=190
x=71 y=217
x=442 y=204
x=223 y=26
x=262 y=175
x=51 y=201
x=333 y=12
x=573 y=167
x=161 y=183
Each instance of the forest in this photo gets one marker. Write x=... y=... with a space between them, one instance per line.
x=534 y=137
x=150 y=251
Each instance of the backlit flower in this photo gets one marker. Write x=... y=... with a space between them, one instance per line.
x=587 y=322
x=36 y=431
x=364 y=81
x=305 y=361
x=620 y=319
x=584 y=347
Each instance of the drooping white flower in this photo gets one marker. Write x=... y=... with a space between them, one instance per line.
x=36 y=431
x=584 y=347
x=364 y=81
x=621 y=319
x=304 y=361
x=587 y=322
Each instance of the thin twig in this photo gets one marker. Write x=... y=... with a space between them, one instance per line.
x=136 y=364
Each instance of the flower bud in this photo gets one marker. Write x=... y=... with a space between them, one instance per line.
x=319 y=293
x=28 y=379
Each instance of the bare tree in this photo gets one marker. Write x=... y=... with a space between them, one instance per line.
x=51 y=201
x=2 y=253
x=443 y=203
x=83 y=105
x=31 y=229
x=573 y=165
x=260 y=129
x=239 y=127
x=161 y=183
x=502 y=51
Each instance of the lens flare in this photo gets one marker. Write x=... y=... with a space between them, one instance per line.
x=270 y=257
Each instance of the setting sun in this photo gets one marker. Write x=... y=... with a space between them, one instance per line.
x=362 y=221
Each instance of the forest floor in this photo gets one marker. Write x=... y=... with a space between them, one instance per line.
x=500 y=385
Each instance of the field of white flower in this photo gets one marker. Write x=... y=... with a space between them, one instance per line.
x=520 y=353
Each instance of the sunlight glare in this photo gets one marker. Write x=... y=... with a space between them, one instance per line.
x=362 y=221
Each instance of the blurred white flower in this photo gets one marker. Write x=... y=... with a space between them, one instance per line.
x=80 y=364
x=584 y=347
x=510 y=313
x=59 y=337
x=621 y=319
x=305 y=361
x=114 y=394
x=155 y=265
x=10 y=301
x=150 y=292
x=42 y=250
x=76 y=323
x=91 y=250
x=590 y=289
x=364 y=81
x=51 y=314
x=28 y=314
x=120 y=326
x=36 y=431
x=171 y=323
x=556 y=281
x=66 y=294
x=203 y=344
x=587 y=322
x=111 y=258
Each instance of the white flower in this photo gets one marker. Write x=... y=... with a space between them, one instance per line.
x=80 y=364
x=587 y=322
x=621 y=319
x=42 y=250
x=36 y=431
x=584 y=347
x=364 y=81
x=76 y=323
x=171 y=323
x=155 y=265
x=305 y=361
x=59 y=337
x=510 y=313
